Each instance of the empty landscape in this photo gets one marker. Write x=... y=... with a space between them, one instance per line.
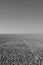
x=21 y=49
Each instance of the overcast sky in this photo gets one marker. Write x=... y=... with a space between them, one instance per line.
x=21 y=16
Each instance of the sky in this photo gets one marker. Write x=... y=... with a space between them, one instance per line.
x=21 y=16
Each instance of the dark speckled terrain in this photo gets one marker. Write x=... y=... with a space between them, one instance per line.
x=28 y=44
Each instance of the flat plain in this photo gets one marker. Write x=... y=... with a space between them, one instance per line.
x=29 y=39
x=32 y=43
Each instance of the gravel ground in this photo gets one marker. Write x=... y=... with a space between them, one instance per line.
x=22 y=41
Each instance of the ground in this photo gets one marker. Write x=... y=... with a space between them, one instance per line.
x=31 y=44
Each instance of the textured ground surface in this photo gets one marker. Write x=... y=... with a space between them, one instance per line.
x=16 y=47
x=22 y=38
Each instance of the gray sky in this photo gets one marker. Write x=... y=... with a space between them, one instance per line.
x=21 y=16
